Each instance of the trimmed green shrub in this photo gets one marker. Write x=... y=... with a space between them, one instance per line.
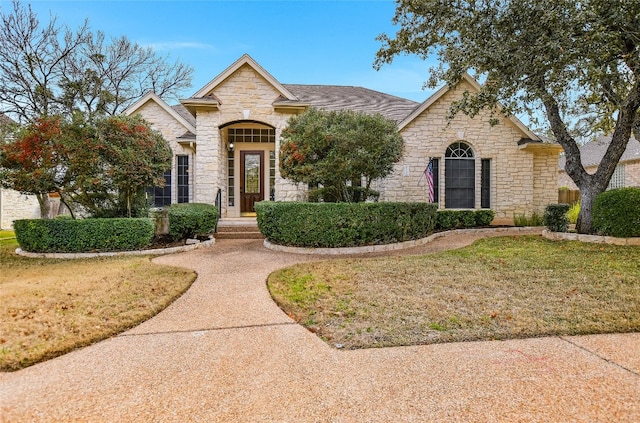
x=617 y=213
x=189 y=220
x=461 y=219
x=555 y=217
x=84 y=235
x=484 y=217
x=344 y=224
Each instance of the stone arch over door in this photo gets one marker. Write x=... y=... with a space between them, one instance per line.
x=460 y=176
x=250 y=165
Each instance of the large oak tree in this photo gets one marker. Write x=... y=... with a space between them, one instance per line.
x=576 y=62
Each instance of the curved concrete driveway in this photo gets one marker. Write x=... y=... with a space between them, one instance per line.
x=224 y=352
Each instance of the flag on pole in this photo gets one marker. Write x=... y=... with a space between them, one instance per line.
x=429 y=175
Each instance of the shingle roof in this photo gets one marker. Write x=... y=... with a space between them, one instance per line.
x=336 y=97
x=182 y=111
x=592 y=152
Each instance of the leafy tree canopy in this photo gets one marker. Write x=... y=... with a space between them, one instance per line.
x=577 y=62
x=338 y=150
x=48 y=69
x=101 y=166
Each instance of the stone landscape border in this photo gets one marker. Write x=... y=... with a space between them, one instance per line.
x=153 y=252
x=392 y=247
x=595 y=239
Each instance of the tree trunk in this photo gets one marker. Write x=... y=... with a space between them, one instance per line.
x=585 y=218
x=45 y=206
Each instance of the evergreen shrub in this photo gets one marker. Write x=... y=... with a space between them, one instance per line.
x=344 y=224
x=190 y=220
x=83 y=235
x=617 y=213
x=555 y=217
x=462 y=219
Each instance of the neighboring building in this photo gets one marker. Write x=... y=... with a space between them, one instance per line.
x=226 y=140
x=13 y=205
x=627 y=173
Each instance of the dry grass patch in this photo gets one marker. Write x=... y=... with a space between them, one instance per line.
x=50 y=307
x=498 y=288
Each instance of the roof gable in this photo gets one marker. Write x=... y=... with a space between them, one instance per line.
x=442 y=91
x=245 y=60
x=135 y=107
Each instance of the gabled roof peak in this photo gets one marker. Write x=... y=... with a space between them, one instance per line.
x=245 y=59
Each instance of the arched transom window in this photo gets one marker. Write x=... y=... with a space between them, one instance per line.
x=460 y=172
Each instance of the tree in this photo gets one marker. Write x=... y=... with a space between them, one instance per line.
x=578 y=62
x=49 y=69
x=101 y=166
x=30 y=163
x=339 y=150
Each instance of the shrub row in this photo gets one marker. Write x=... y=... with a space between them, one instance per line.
x=460 y=219
x=85 y=235
x=344 y=224
x=190 y=220
x=617 y=213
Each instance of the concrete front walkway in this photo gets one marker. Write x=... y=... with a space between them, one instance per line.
x=224 y=352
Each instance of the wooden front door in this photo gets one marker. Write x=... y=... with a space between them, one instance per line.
x=251 y=179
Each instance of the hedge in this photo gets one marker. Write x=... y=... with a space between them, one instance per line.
x=617 y=213
x=189 y=220
x=84 y=235
x=461 y=219
x=344 y=224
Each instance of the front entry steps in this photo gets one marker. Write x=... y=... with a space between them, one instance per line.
x=238 y=228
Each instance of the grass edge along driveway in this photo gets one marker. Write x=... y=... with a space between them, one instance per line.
x=50 y=307
x=497 y=288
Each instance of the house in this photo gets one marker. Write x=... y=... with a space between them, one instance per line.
x=14 y=205
x=627 y=173
x=226 y=138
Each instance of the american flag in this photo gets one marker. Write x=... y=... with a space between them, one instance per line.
x=428 y=172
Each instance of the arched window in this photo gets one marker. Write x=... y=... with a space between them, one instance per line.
x=460 y=174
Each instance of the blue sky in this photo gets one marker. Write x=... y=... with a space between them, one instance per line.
x=297 y=41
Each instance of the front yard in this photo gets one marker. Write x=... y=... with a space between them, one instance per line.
x=498 y=288
x=50 y=307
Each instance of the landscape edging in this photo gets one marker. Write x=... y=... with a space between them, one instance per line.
x=387 y=247
x=594 y=239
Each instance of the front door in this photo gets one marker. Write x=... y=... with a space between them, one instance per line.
x=251 y=180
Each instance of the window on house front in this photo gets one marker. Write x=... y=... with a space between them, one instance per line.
x=460 y=170
x=231 y=196
x=436 y=179
x=485 y=184
x=617 y=179
x=183 y=179
x=272 y=175
x=161 y=196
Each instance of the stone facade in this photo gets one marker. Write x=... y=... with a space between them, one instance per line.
x=14 y=206
x=523 y=175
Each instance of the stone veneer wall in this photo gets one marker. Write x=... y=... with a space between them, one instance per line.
x=14 y=206
x=519 y=180
x=170 y=129
x=245 y=90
